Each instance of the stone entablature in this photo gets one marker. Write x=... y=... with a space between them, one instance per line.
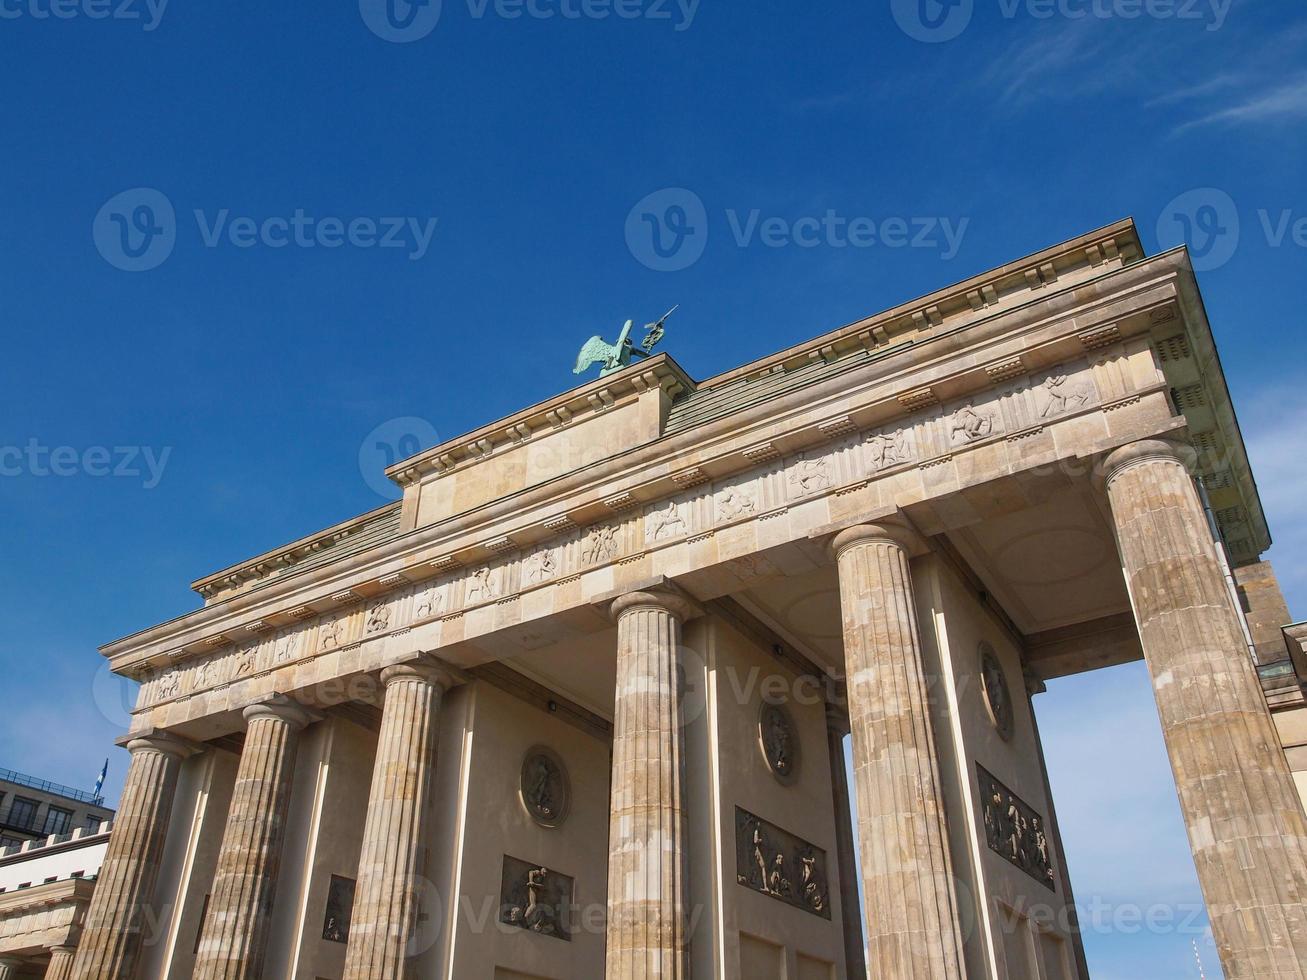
x=945 y=310
x=1013 y=393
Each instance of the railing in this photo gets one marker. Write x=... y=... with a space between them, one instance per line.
x=58 y=789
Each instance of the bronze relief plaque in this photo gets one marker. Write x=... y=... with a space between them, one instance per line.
x=536 y=899
x=1014 y=831
x=776 y=863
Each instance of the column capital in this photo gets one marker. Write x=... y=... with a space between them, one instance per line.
x=669 y=600
x=887 y=532
x=1145 y=451
x=282 y=708
x=425 y=668
x=161 y=741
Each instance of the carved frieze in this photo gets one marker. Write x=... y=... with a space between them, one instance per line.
x=536 y=899
x=776 y=863
x=929 y=437
x=1014 y=831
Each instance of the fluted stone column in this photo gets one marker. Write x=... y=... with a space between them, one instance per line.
x=61 y=963
x=911 y=907
x=244 y=885
x=393 y=859
x=1246 y=824
x=855 y=957
x=118 y=917
x=647 y=853
x=9 y=967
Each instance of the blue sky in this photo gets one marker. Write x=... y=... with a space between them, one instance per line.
x=468 y=193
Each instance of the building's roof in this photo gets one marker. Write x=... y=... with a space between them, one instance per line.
x=45 y=786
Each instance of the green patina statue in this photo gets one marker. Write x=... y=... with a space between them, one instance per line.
x=616 y=356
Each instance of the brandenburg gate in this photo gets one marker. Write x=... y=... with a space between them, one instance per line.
x=575 y=706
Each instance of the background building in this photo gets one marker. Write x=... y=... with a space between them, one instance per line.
x=33 y=809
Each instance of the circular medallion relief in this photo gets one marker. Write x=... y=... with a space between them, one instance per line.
x=546 y=792
x=779 y=741
x=993 y=685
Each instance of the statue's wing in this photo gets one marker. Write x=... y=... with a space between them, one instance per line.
x=594 y=349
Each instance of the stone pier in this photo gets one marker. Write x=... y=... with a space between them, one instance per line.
x=647 y=865
x=1246 y=824
x=235 y=933
x=911 y=909
x=393 y=863
x=116 y=920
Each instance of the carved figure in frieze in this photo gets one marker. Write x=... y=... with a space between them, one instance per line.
x=810 y=475
x=1061 y=394
x=535 y=898
x=243 y=661
x=777 y=883
x=169 y=685
x=378 y=618
x=890 y=449
x=734 y=503
x=431 y=602
x=968 y=425
x=760 y=848
x=536 y=916
x=482 y=586
x=541 y=565
x=284 y=649
x=600 y=544
x=665 y=522
x=811 y=884
x=332 y=634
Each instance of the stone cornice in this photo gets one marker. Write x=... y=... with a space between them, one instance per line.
x=1107 y=248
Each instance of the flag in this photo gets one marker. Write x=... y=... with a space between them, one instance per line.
x=99 y=780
